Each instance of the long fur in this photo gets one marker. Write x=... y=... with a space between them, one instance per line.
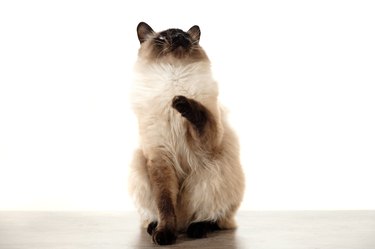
x=210 y=180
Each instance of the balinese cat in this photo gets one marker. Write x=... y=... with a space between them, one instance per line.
x=186 y=175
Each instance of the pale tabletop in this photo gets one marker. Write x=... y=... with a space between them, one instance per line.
x=257 y=230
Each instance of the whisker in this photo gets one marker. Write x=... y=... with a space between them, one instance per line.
x=162 y=52
x=158 y=42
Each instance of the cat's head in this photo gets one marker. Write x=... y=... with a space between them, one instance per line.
x=171 y=45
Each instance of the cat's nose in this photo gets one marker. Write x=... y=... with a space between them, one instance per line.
x=180 y=40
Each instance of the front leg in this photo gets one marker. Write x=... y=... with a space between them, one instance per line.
x=193 y=111
x=203 y=128
x=164 y=185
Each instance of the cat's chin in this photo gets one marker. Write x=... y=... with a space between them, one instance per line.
x=177 y=57
x=179 y=51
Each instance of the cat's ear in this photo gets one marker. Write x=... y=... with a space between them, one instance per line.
x=143 y=31
x=195 y=33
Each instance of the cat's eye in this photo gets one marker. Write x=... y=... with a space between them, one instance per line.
x=161 y=38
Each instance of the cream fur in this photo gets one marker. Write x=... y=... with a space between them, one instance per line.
x=210 y=186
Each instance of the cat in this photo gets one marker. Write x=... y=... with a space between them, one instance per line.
x=186 y=176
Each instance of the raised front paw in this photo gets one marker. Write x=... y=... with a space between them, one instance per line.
x=164 y=237
x=182 y=105
x=192 y=110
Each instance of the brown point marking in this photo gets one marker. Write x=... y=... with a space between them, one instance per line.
x=165 y=205
x=202 y=125
x=165 y=187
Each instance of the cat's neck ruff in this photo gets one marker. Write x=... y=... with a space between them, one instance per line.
x=191 y=80
x=172 y=71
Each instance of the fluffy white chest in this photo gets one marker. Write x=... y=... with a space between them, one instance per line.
x=153 y=91
x=157 y=84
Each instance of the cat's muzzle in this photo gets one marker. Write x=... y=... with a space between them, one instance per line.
x=180 y=40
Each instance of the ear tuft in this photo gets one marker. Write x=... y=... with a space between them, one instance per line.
x=195 y=33
x=143 y=31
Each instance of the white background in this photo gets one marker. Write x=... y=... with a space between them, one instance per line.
x=297 y=76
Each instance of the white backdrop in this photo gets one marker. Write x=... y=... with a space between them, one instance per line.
x=297 y=76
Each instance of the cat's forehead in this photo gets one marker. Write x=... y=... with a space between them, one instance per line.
x=172 y=32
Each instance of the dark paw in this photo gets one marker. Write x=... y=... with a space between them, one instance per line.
x=151 y=227
x=214 y=226
x=200 y=229
x=182 y=105
x=197 y=230
x=164 y=237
